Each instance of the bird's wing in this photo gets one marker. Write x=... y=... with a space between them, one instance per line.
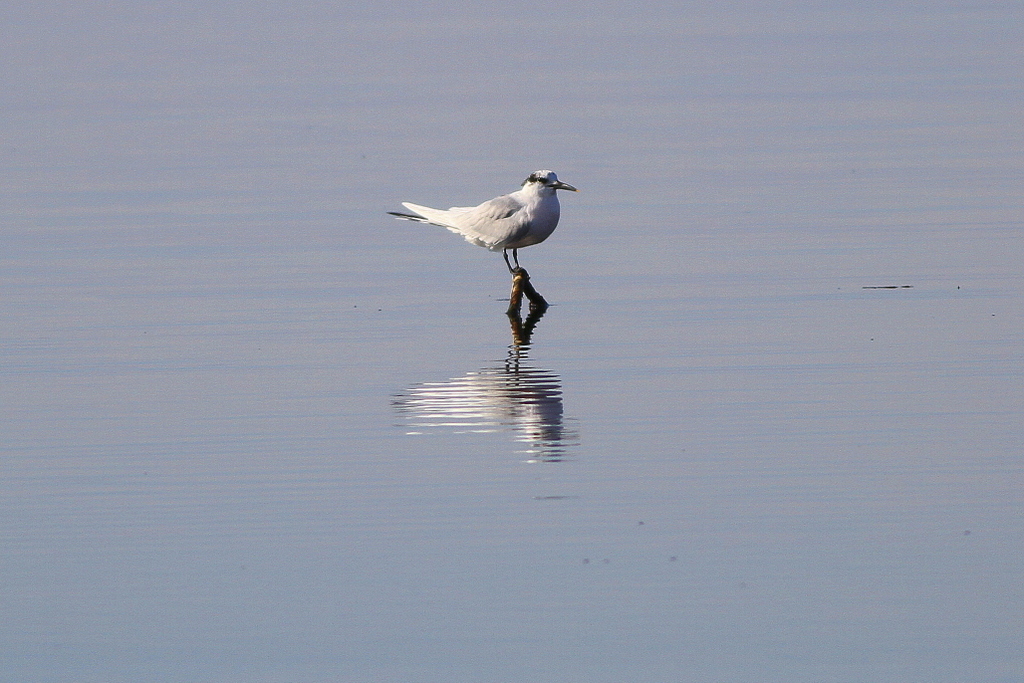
x=487 y=225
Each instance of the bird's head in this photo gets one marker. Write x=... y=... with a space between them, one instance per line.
x=547 y=179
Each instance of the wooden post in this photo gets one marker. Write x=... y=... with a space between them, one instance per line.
x=520 y=286
x=515 y=299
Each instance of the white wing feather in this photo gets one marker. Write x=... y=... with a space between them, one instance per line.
x=493 y=224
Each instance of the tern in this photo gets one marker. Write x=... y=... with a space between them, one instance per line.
x=512 y=221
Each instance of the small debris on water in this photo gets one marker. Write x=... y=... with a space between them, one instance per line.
x=888 y=287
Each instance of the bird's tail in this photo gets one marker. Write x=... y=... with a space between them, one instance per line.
x=408 y=217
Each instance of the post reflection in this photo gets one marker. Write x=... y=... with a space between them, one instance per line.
x=513 y=395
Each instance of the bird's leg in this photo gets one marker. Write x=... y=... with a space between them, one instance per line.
x=515 y=257
x=504 y=253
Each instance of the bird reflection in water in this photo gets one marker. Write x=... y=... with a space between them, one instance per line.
x=511 y=396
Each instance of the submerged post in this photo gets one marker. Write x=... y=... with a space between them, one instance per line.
x=520 y=286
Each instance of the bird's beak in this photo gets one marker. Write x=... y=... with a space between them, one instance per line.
x=559 y=185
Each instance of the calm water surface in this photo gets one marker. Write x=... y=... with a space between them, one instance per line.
x=252 y=429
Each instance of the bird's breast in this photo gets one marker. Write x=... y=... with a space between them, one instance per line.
x=541 y=222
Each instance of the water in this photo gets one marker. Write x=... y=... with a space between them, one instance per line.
x=255 y=430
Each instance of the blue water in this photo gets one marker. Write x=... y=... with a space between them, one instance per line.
x=253 y=429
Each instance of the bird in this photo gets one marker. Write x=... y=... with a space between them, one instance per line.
x=512 y=221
